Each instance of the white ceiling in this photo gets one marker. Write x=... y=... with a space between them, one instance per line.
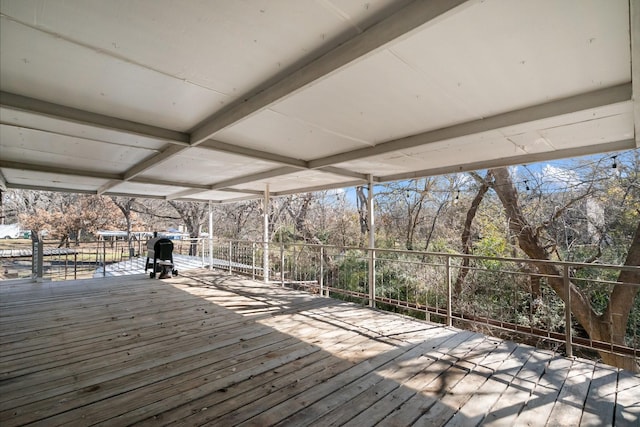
x=218 y=100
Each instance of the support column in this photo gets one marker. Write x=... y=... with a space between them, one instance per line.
x=37 y=257
x=634 y=23
x=372 y=244
x=265 y=238
x=210 y=236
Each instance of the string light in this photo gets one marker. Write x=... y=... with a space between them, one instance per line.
x=540 y=182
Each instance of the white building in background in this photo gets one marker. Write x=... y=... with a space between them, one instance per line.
x=10 y=231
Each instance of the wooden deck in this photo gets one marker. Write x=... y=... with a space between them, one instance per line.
x=220 y=350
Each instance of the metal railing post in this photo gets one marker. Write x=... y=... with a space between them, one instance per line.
x=372 y=277
x=75 y=265
x=282 y=263
x=449 y=305
x=265 y=235
x=294 y=265
x=567 y=311
x=210 y=252
x=210 y=235
x=230 y=248
x=321 y=281
x=253 y=260
x=104 y=258
x=201 y=241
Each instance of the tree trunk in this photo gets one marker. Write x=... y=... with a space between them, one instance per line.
x=612 y=324
x=126 y=207
x=466 y=232
x=362 y=213
x=622 y=298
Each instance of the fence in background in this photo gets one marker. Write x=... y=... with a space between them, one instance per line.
x=90 y=259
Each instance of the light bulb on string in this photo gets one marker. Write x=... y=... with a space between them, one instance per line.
x=616 y=172
x=526 y=183
x=455 y=201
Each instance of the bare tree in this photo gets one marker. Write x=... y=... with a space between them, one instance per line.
x=610 y=326
x=362 y=205
x=194 y=215
x=236 y=218
x=484 y=185
x=66 y=216
x=125 y=204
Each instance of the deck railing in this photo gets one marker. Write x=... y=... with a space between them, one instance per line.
x=499 y=296
x=47 y=260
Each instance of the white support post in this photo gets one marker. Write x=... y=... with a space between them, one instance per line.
x=372 y=245
x=321 y=278
x=449 y=296
x=265 y=239
x=210 y=236
x=634 y=22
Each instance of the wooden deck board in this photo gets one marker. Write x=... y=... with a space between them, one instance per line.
x=213 y=349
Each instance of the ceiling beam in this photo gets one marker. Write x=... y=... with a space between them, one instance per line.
x=69 y=134
x=114 y=179
x=141 y=180
x=598 y=98
x=378 y=36
x=516 y=160
x=152 y=161
x=214 y=145
x=143 y=166
x=184 y=193
x=190 y=192
x=58 y=170
x=107 y=186
x=285 y=170
x=74 y=115
x=276 y=158
x=74 y=190
x=239 y=190
x=634 y=27
x=344 y=172
x=319 y=188
x=226 y=184
x=45 y=188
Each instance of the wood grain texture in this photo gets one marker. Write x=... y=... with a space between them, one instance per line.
x=214 y=349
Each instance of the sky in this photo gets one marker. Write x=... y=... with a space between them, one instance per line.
x=554 y=175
